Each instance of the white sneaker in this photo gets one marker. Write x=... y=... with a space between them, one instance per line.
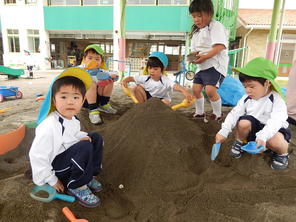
x=107 y=109
x=95 y=117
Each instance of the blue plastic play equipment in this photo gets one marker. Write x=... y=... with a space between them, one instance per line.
x=251 y=147
x=7 y=91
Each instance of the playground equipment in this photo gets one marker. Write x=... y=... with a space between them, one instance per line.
x=10 y=72
x=185 y=73
x=70 y=216
x=7 y=91
x=12 y=139
x=127 y=64
x=51 y=194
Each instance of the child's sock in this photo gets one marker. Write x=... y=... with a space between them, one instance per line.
x=216 y=106
x=104 y=100
x=92 y=106
x=199 y=106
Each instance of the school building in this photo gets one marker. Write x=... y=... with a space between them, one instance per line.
x=253 y=29
x=57 y=31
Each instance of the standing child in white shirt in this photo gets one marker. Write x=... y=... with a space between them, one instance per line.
x=260 y=115
x=209 y=44
x=155 y=84
x=61 y=154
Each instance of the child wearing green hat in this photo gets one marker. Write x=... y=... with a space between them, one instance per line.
x=61 y=154
x=260 y=115
x=98 y=96
x=155 y=84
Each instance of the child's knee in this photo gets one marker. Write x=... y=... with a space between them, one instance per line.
x=244 y=124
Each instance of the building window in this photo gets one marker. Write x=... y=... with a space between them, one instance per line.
x=7 y=2
x=64 y=2
x=173 y=2
x=33 y=40
x=141 y=2
x=13 y=40
x=97 y=2
x=31 y=2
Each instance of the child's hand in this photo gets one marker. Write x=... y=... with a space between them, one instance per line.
x=59 y=186
x=188 y=96
x=114 y=76
x=124 y=84
x=199 y=59
x=219 y=138
x=86 y=138
x=260 y=143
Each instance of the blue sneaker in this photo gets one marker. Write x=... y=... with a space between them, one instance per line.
x=95 y=185
x=85 y=197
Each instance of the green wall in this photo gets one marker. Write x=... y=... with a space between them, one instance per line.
x=138 y=18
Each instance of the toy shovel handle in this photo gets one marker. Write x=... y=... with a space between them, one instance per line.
x=128 y=92
x=68 y=213
x=65 y=197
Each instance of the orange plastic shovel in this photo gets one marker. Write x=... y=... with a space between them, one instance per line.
x=128 y=92
x=184 y=104
x=70 y=216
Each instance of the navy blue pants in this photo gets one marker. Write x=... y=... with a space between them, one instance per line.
x=79 y=163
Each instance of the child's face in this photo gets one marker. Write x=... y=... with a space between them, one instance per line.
x=93 y=57
x=256 y=90
x=201 y=19
x=68 y=101
x=155 y=73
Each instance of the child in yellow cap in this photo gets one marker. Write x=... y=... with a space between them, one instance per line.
x=260 y=115
x=61 y=154
x=98 y=96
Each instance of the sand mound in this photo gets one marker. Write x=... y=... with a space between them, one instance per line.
x=163 y=161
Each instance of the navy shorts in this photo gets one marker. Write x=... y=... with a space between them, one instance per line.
x=209 y=77
x=148 y=95
x=256 y=126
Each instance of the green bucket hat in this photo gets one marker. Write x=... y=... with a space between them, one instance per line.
x=96 y=47
x=264 y=68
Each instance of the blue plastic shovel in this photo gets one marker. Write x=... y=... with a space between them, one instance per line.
x=52 y=194
x=215 y=150
x=251 y=147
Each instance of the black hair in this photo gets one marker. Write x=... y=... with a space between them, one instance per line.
x=154 y=62
x=68 y=81
x=93 y=51
x=205 y=6
x=245 y=78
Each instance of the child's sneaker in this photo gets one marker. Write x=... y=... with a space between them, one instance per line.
x=236 y=151
x=107 y=109
x=198 y=116
x=95 y=185
x=218 y=119
x=280 y=162
x=95 y=117
x=85 y=197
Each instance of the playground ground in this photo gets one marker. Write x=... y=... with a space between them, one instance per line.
x=163 y=160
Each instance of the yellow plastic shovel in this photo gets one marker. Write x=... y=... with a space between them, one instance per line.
x=128 y=92
x=184 y=104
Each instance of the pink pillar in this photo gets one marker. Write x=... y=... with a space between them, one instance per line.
x=271 y=46
x=121 y=65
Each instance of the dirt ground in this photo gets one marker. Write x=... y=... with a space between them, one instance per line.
x=162 y=159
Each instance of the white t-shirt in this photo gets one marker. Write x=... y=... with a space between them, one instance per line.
x=53 y=136
x=270 y=110
x=204 y=39
x=158 y=89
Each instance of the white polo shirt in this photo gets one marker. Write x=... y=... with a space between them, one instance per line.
x=158 y=89
x=204 y=39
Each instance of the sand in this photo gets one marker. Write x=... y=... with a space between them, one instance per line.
x=162 y=159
